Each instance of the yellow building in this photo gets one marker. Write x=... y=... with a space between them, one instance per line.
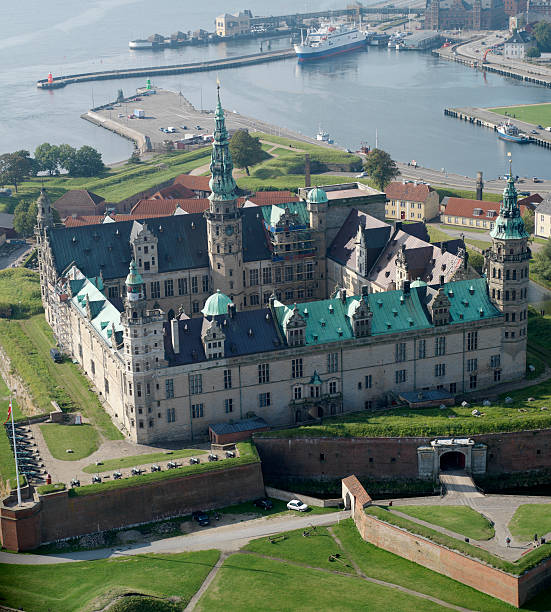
x=411 y=201
x=228 y=25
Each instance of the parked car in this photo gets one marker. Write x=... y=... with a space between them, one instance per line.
x=361 y=175
x=201 y=517
x=5 y=191
x=537 y=180
x=264 y=503
x=296 y=504
x=56 y=355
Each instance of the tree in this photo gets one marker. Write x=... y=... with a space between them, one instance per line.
x=542 y=261
x=14 y=167
x=529 y=220
x=542 y=33
x=380 y=167
x=533 y=52
x=245 y=150
x=47 y=158
x=67 y=156
x=24 y=218
x=88 y=162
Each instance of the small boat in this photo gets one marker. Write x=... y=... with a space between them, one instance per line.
x=323 y=136
x=511 y=133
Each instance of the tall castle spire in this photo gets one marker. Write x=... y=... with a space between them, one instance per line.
x=509 y=225
x=222 y=185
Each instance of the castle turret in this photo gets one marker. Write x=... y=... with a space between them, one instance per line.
x=507 y=272
x=317 y=204
x=224 y=218
x=143 y=354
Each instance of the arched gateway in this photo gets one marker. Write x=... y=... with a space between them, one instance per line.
x=447 y=454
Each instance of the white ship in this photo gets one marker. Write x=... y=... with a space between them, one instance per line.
x=330 y=40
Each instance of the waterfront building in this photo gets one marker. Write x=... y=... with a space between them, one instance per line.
x=515 y=47
x=237 y=24
x=538 y=10
x=465 y=14
x=543 y=219
x=411 y=201
x=230 y=314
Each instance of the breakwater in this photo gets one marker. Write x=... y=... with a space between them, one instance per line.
x=220 y=64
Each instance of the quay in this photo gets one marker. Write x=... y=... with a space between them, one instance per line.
x=220 y=64
x=486 y=118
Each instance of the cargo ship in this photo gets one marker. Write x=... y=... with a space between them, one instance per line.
x=511 y=133
x=330 y=40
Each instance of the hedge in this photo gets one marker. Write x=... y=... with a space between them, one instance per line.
x=51 y=488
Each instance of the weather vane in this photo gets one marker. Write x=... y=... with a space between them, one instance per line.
x=510 y=156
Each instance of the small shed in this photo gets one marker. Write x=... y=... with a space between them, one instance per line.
x=225 y=433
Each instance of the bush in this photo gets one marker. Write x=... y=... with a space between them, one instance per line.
x=533 y=52
x=139 y=603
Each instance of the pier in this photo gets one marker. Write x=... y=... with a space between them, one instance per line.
x=220 y=64
x=486 y=118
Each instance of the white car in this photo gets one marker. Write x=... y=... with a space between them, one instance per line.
x=296 y=504
x=361 y=175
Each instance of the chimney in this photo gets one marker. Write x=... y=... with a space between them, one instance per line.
x=343 y=296
x=406 y=287
x=175 y=335
x=307 y=179
x=442 y=280
x=365 y=290
x=479 y=185
x=444 y=246
x=398 y=225
x=231 y=310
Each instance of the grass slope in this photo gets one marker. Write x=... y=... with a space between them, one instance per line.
x=126 y=462
x=383 y=565
x=82 y=439
x=254 y=583
x=530 y=519
x=538 y=114
x=20 y=290
x=461 y=519
x=74 y=586
x=115 y=184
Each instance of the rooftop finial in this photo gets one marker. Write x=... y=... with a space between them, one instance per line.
x=510 y=156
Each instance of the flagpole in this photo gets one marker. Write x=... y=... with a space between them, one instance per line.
x=15 y=453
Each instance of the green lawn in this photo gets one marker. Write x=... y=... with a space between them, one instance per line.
x=437 y=235
x=20 y=291
x=538 y=114
x=383 y=565
x=460 y=519
x=82 y=439
x=539 y=279
x=93 y=584
x=466 y=228
x=530 y=519
x=126 y=462
x=114 y=184
x=470 y=195
x=479 y=244
x=249 y=582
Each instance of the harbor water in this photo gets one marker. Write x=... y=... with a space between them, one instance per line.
x=399 y=95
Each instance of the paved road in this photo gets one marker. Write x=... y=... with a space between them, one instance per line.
x=227 y=539
x=6 y=261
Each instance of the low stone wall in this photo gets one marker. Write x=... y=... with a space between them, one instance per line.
x=17 y=385
x=58 y=516
x=311 y=501
x=515 y=590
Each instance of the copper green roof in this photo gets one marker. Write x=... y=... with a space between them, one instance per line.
x=316 y=196
x=222 y=185
x=272 y=214
x=418 y=283
x=469 y=301
x=509 y=225
x=134 y=278
x=216 y=304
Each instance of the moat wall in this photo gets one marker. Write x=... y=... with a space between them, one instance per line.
x=329 y=459
x=58 y=516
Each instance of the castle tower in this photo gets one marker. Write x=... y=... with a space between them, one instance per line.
x=224 y=218
x=506 y=267
x=316 y=205
x=143 y=354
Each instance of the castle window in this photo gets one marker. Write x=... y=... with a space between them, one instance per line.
x=440 y=369
x=453 y=387
x=440 y=346
x=472 y=381
x=309 y=270
x=289 y=274
x=278 y=275
x=297 y=393
x=228 y=405
x=182 y=286
x=169 y=288
x=472 y=341
x=169 y=388
x=253 y=277
x=141 y=424
x=333 y=387
x=255 y=299
x=289 y=295
x=368 y=381
x=400 y=376
x=333 y=362
x=263 y=373
x=195 y=384
x=472 y=365
x=400 y=351
x=227 y=379
x=421 y=349
x=93 y=367
x=264 y=400
x=197 y=411
x=300 y=273
x=267 y=276
x=296 y=368
x=195 y=307
x=194 y=284
x=155 y=289
x=138 y=389
x=205 y=282
x=497 y=375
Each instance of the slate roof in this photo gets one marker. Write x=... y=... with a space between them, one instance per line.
x=162 y=207
x=174 y=191
x=248 y=332
x=342 y=249
x=79 y=198
x=239 y=426
x=545 y=207
x=408 y=191
x=195 y=183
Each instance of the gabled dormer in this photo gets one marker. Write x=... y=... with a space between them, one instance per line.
x=144 y=247
x=439 y=308
x=295 y=328
x=360 y=316
x=213 y=339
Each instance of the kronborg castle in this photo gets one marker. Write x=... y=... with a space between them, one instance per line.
x=287 y=312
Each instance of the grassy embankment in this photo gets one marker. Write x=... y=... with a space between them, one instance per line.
x=126 y=462
x=530 y=519
x=115 y=184
x=538 y=114
x=91 y=585
x=460 y=519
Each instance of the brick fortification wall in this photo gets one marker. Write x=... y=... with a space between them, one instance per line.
x=58 y=516
x=511 y=589
x=391 y=458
